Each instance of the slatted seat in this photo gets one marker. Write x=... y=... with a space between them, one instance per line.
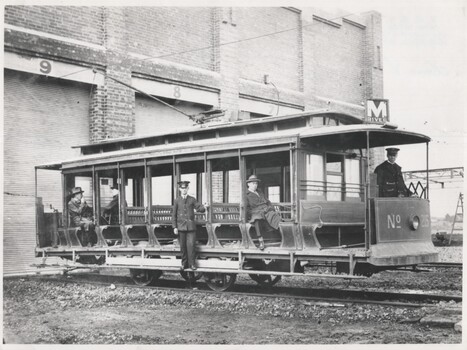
x=135 y=215
x=226 y=213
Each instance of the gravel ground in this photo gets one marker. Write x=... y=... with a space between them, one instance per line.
x=38 y=312
x=450 y=254
x=55 y=312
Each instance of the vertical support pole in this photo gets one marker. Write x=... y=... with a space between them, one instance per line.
x=35 y=206
x=427 y=172
x=64 y=203
x=147 y=176
x=176 y=177
x=367 y=195
x=208 y=173
x=244 y=227
x=121 y=196
x=95 y=193
x=351 y=264
x=242 y=166
x=293 y=174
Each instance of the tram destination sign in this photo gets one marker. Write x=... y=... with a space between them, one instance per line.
x=377 y=111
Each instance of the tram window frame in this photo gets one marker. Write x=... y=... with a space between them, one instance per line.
x=331 y=187
x=317 y=172
x=273 y=171
x=228 y=169
x=163 y=194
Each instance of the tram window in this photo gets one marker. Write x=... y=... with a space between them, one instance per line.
x=353 y=178
x=314 y=169
x=334 y=176
x=129 y=189
x=217 y=187
x=161 y=190
x=226 y=183
x=274 y=194
x=317 y=121
x=234 y=188
x=105 y=192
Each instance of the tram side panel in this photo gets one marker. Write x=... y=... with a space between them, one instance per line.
x=401 y=232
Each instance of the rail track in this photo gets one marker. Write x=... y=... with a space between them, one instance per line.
x=314 y=295
x=447 y=265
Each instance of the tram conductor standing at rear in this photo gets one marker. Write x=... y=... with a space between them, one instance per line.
x=389 y=177
x=184 y=225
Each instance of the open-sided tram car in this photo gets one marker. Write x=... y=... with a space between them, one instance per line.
x=314 y=167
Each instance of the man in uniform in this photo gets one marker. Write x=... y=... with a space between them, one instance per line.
x=184 y=225
x=389 y=177
x=260 y=208
x=81 y=216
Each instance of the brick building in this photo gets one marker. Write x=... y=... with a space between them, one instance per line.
x=248 y=62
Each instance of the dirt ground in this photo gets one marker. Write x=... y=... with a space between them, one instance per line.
x=50 y=313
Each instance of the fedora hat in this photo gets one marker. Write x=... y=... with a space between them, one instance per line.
x=253 y=178
x=76 y=190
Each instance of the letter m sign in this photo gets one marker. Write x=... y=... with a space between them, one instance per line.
x=377 y=111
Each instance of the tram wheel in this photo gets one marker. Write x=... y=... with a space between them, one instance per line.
x=197 y=275
x=143 y=277
x=220 y=282
x=265 y=280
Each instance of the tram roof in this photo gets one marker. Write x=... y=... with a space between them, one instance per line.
x=200 y=128
x=330 y=137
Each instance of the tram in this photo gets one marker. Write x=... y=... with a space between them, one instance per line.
x=314 y=167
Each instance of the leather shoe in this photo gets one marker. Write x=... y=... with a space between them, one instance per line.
x=261 y=245
x=193 y=267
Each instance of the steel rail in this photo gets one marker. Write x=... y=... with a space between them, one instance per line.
x=442 y=264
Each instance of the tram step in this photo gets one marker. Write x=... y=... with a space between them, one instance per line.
x=164 y=263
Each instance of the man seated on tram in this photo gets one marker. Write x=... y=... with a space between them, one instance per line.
x=81 y=216
x=389 y=177
x=260 y=208
x=112 y=210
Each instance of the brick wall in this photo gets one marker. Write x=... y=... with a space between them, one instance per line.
x=339 y=59
x=178 y=34
x=276 y=55
x=75 y=22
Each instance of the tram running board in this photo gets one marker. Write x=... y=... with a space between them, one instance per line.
x=176 y=263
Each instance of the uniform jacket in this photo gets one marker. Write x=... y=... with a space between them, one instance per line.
x=259 y=207
x=183 y=216
x=390 y=180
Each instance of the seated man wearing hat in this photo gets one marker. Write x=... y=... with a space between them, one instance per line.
x=113 y=208
x=389 y=177
x=81 y=215
x=260 y=208
x=183 y=223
